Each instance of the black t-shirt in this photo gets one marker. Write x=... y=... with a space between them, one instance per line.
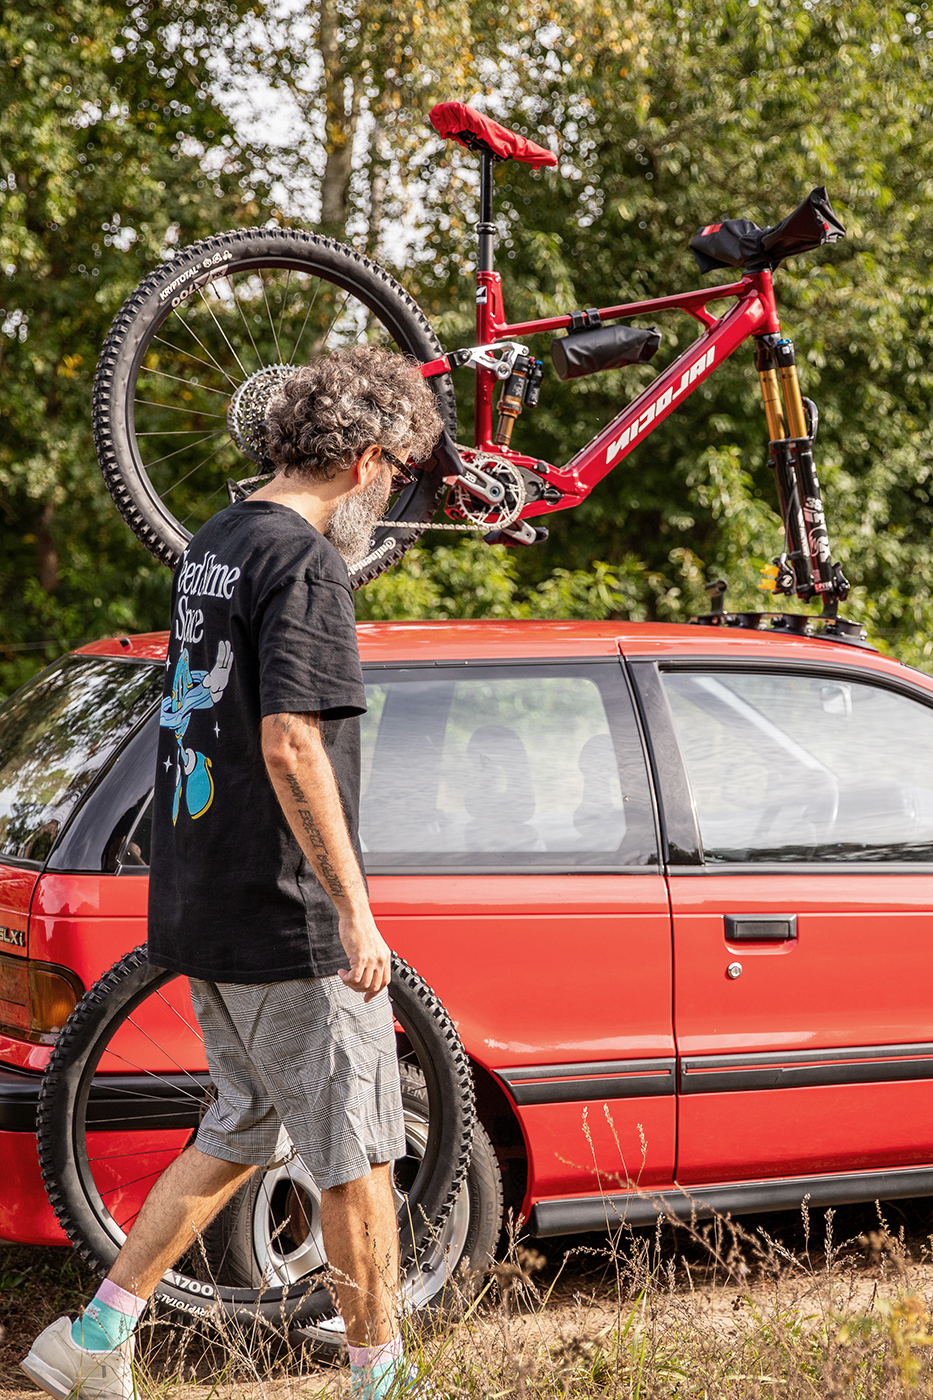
x=262 y=624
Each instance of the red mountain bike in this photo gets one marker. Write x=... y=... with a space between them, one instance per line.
x=198 y=350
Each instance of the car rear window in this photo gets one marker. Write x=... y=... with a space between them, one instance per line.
x=56 y=734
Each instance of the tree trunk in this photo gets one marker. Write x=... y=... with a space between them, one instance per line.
x=46 y=551
x=341 y=112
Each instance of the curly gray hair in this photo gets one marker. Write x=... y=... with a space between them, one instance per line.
x=332 y=409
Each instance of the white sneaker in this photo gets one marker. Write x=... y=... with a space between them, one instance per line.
x=64 y=1369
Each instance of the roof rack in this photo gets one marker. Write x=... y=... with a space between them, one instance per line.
x=830 y=629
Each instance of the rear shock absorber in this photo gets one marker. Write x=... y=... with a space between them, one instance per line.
x=520 y=390
x=809 y=570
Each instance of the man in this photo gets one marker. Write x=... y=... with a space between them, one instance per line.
x=256 y=889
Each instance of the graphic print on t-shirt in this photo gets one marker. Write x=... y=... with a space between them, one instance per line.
x=194 y=690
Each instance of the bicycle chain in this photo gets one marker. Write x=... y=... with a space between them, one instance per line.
x=508 y=519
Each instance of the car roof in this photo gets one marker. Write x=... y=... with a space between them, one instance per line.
x=399 y=642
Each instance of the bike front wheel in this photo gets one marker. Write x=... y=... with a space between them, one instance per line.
x=123 y=1095
x=200 y=347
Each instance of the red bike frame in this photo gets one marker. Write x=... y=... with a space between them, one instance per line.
x=753 y=314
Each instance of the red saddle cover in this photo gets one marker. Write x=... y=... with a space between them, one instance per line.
x=458 y=122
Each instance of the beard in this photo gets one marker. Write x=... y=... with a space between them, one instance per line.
x=350 y=528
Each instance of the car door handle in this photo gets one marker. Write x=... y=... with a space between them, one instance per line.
x=761 y=928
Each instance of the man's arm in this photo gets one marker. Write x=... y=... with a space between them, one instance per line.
x=304 y=783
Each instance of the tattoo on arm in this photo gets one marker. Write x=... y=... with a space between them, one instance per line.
x=331 y=878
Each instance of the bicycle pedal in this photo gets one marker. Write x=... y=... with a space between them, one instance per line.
x=520 y=534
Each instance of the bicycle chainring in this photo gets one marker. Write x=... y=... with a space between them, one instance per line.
x=463 y=505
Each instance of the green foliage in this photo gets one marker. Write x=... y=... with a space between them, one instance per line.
x=106 y=130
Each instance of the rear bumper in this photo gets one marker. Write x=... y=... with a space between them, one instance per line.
x=25 y=1214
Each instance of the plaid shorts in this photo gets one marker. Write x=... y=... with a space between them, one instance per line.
x=307 y=1061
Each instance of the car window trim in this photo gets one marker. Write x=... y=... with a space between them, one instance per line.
x=680 y=830
x=830 y=670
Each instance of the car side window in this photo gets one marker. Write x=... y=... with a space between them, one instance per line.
x=787 y=767
x=479 y=767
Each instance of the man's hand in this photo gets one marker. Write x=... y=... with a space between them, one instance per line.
x=370 y=958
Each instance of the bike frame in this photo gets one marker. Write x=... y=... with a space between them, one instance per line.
x=753 y=314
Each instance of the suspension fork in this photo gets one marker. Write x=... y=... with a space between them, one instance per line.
x=808 y=569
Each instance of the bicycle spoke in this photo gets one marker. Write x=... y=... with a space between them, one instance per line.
x=186 y=448
x=284 y=304
x=236 y=299
x=111 y=1190
x=116 y=1156
x=210 y=363
x=187 y=383
x=178 y=432
x=210 y=312
x=339 y=313
x=270 y=318
x=175 y=1087
x=175 y=408
x=205 y=501
x=304 y=323
x=194 y=1029
x=161 y=1048
x=203 y=462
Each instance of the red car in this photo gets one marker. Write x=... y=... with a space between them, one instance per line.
x=673 y=883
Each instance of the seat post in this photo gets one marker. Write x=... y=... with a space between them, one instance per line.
x=486 y=229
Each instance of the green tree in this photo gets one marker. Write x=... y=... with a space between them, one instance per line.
x=111 y=150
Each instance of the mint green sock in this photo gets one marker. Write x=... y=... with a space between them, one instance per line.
x=102 y=1327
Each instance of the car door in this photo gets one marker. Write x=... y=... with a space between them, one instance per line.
x=803 y=932
x=511 y=850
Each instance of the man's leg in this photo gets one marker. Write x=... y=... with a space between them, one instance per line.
x=361 y=1240
x=93 y=1355
x=184 y=1200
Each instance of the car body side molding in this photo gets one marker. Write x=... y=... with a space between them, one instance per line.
x=784 y=1069
x=581 y=1083
x=581 y=1214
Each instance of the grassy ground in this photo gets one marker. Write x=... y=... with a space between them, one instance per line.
x=836 y=1305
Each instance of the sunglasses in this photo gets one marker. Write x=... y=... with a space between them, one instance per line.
x=404 y=473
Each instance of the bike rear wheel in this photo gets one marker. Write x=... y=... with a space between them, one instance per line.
x=199 y=348
x=123 y=1094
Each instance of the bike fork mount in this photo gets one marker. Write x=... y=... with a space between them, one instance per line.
x=806 y=566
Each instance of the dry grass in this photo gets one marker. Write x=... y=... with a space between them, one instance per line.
x=719 y=1311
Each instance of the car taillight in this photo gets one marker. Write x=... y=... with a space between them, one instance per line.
x=36 y=998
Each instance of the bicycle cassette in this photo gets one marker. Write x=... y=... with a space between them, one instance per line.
x=249 y=407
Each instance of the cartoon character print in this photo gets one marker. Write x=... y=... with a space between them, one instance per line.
x=194 y=690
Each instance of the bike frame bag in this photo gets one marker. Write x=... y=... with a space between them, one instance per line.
x=740 y=243
x=607 y=347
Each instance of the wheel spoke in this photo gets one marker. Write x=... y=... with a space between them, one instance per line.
x=177 y=408
x=304 y=323
x=210 y=311
x=284 y=304
x=210 y=363
x=186 y=448
x=182 y=479
x=163 y=374
x=270 y=317
x=246 y=325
